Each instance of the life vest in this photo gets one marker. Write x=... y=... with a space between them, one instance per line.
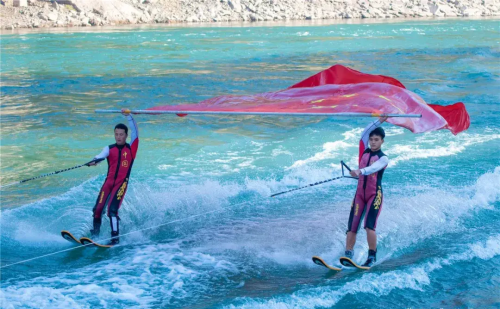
x=120 y=162
x=370 y=183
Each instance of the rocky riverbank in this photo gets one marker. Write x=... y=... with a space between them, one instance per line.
x=85 y=13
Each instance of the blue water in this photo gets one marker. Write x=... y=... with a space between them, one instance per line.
x=233 y=247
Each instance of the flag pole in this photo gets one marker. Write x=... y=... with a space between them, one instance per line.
x=184 y=113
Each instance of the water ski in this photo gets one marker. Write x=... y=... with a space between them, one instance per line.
x=87 y=241
x=69 y=237
x=350 y=263
x=319 y=261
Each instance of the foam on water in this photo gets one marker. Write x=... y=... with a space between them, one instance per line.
x=441 y=192
x=376 y=284
x=170 y=272
x=279 y=236
x=144 y=276
x=406 y=220
x=452 y=145
x=423 y=146
x=154 y=203
x=333 y=149
x=412 y=219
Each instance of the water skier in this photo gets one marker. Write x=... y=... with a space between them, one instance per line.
x=120 y=157
x=368 y=199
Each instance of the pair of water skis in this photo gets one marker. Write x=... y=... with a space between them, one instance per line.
x=345 y=261
x=85 y=241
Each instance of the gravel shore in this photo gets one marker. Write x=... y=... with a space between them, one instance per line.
x=86 y=13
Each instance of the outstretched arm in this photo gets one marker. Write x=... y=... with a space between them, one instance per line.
x=103 y=155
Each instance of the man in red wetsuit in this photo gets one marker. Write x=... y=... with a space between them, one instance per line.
x=120 y=157
x=368 y=199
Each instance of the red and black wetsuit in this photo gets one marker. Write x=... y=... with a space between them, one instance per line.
x=120 y=160
x=369 y=197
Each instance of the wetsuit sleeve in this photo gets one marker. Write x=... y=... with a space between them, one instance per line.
x=375 y=167
x=134 y=135
x=104 y=153
x=365 y=137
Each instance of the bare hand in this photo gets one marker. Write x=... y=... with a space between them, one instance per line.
x=92 y=164
x=355 y=173
x=125 y=111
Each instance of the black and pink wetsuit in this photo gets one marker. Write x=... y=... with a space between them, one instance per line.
x=369 y=196
x=120 y=160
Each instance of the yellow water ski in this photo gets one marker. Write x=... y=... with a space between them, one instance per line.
x=69 y=237
x=350 y=263
x=87 y=241
x=319 y=261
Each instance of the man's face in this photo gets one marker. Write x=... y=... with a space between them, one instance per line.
x=120 y=136
x=376 y=142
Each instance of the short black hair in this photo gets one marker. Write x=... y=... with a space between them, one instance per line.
x=378 y=131
x=122 y=126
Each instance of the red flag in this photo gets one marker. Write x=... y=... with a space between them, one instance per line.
x=339 y=75
x=455 y=115
x=339 y=90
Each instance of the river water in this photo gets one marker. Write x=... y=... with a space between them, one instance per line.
x=225 y=243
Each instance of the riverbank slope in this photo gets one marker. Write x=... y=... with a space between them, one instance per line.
x=85 y=13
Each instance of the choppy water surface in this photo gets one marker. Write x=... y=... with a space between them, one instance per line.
x=439 y=244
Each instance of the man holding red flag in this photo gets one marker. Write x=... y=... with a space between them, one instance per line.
x=368 y=199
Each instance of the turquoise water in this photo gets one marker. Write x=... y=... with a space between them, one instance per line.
x=439 y=244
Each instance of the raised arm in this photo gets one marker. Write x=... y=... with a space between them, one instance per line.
x=103 y=155
x=134 y=135
x=365 y=137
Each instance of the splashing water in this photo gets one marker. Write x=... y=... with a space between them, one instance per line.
x=442 y=192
